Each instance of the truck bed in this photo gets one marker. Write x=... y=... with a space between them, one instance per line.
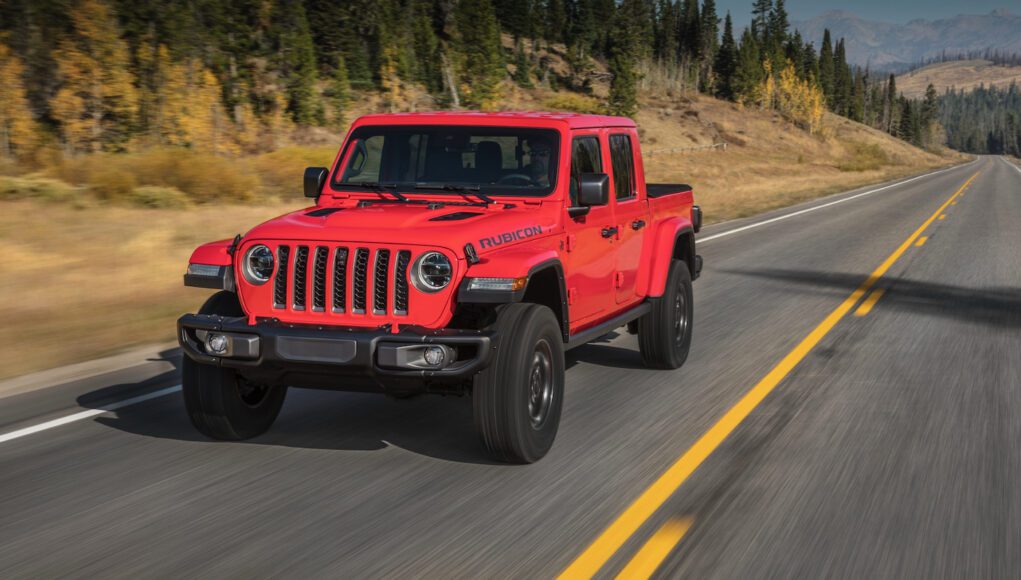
x=653 y=190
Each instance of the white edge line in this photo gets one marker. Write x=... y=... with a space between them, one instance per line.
x=1008 y=162
x=825 y=205
x=87 y=414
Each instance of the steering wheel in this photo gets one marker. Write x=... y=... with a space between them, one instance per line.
x=520 y=178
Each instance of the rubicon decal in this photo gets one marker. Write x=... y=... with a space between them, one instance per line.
x=508 y=237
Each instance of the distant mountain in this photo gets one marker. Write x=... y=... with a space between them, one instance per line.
x=889 y=46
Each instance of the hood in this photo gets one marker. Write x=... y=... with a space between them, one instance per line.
x=449 y=227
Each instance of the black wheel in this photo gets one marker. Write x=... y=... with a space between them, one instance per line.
x=220 y=403
x=518 y=398
x=664 y=334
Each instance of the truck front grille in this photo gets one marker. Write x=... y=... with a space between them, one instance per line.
x=312 y=277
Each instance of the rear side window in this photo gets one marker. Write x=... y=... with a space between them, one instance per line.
x=623 y=166
x=585 y=158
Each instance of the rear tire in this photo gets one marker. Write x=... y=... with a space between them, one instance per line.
x=220 y=403
x=518 y=398
x=664 y=334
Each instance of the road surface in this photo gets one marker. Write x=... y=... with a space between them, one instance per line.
x=819 y=429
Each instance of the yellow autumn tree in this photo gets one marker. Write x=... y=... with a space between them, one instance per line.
x=799 y=100
x=17 y=127
x=97 y=103
x=202 y=120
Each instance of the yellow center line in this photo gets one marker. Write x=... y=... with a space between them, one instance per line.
x=592 y=559
x=869 y=302
x=921 y=241
x=943 y=217
x=652 y=554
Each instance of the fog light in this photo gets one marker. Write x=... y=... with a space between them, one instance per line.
x=434 y=356
x=216 y=344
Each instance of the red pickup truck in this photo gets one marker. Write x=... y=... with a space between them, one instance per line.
x=455 y=253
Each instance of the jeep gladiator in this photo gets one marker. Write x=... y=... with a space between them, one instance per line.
x=454 y=253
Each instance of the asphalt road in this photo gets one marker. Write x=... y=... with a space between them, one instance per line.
x=887 y=446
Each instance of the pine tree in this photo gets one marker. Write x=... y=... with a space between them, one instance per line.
x=339 y=94
x=522 y=76
x=17 y=127
x=555 y=20
x=97 y=103
x=691 y=31
x=710 y=44
x=890 y=110
x=779 y=25
x=480 y=53
x=666 y=45
x=426 y=46
x=842 y=82
x=726 y=62
x=760 y=20
x=856 y=110
x=625 y=53
x=749 y=74
x=296 y=60
x=827 y=73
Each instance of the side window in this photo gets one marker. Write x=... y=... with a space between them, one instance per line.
x=585 y=158
x=623 y=166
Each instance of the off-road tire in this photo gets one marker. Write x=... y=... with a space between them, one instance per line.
x=664 y=334
x=518 y=398
x=220 y=403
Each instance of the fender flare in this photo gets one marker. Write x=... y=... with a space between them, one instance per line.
x=466 y=296
x=668 y=236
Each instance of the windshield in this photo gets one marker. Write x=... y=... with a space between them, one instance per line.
x=486 y=160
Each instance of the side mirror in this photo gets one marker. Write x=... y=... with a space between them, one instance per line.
x=594 y=189
x=315 y=180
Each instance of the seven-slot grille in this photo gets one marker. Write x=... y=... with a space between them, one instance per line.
x=347 y=272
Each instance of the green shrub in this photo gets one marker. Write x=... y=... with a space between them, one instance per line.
x=36 y=187
x=864 y=157
x=110 y=182
x=574 y=103
x=157 y=196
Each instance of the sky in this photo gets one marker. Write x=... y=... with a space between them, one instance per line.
x=884 y=10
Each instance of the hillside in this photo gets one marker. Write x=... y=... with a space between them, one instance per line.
x=964 y=74
x=890 y=46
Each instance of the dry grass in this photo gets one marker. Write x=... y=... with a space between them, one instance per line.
x=964 y=74
x=768 y=163
x=83 y=283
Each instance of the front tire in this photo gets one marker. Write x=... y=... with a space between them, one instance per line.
x=518 y=398
x=664 y=334
x=220 y=403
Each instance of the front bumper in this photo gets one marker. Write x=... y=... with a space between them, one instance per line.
x=334 y=357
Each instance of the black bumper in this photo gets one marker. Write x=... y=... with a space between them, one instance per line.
x=332 y=357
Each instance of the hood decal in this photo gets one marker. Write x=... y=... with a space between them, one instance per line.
x=508 y=237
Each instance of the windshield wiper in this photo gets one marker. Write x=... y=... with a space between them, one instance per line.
x=390 y=188
x=462 y=189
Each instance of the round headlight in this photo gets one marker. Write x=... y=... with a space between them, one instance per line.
x=258 y=264
x=432 y=272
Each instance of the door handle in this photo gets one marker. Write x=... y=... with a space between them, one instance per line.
x=637 y=224
x=610 y=232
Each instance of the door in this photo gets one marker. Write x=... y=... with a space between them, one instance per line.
x=631 y=213
x=590 y=243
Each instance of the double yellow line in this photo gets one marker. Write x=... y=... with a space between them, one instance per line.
x=590 y=561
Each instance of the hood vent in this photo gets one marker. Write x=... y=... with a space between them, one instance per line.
x=456 y=216
x=323 y=211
